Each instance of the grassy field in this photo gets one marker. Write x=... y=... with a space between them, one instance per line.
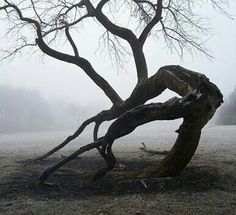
x=206 y=186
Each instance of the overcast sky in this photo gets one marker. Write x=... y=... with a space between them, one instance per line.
x=58 y=80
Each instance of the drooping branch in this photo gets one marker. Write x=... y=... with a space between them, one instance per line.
x=16 y=50
x=183 y=41
x=116 y=50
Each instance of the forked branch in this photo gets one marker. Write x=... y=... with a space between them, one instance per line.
x=152 y=23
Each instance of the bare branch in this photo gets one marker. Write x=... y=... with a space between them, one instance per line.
x=127 y=35
x=35 y=10
x=122 y=32
x=152 y=23
x=12 y=53
x=116 y=50
x=57 y=28
x=221 y=5
x=71 y=41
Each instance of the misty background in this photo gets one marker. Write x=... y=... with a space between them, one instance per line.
x=39 y=93
x=227 y=114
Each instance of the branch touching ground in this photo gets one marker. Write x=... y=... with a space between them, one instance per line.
x=67 y=140
x=145 y=149
x=83 y=149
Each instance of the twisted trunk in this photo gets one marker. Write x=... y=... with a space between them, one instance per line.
x=199 y=101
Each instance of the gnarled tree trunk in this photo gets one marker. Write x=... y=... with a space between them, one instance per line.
x=198 y=102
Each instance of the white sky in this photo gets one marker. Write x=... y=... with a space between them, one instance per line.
x=58 y=80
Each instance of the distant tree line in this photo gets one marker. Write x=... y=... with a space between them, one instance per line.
x=227 y=114
x=25 y=110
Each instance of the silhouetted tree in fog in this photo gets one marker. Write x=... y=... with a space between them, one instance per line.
x=126 y=26
x=23 y=110
x=227 y=114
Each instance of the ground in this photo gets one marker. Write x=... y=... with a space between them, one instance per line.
x=206 y=186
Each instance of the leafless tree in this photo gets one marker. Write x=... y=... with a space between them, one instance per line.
x=40 y=23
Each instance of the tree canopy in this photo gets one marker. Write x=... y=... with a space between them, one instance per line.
x=181 y=24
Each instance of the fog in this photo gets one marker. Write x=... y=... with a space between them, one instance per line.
x=35 y=88
x=227 y=114
x=25 y=110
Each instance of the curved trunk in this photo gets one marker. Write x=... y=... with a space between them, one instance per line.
x=180 y=155
x=200 y=99
x=182 y=151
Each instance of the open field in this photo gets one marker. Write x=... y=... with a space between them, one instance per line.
x=207 y=186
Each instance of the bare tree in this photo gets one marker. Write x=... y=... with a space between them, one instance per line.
x=46 y=21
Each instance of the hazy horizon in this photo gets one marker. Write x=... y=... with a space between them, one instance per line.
x=59 y=81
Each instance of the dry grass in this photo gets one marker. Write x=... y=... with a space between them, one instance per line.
x=207 y=186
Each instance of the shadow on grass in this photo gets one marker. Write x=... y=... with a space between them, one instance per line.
x=73 y=181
